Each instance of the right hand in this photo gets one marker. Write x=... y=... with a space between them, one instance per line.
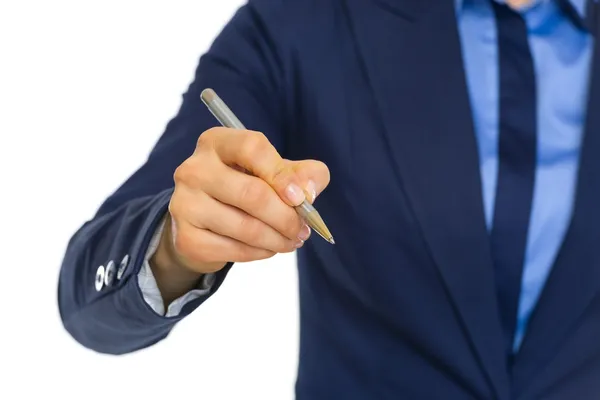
x=220 y=214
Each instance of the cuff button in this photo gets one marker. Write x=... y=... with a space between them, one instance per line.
x=99 y=278
x=109 y=273
x=123 y=266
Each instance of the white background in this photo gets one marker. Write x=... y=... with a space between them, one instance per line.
x=86 y=88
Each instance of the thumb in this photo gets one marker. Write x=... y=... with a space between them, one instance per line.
x=313 y=177
x=300 y=180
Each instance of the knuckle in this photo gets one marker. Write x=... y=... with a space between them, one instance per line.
x=174 y=207
x=253 y=194
x=180 y=174
x=203 y=143
x=281 y=175
x=208 y=136
x=252 y=230
x=291 y=224
x=191 y=173
x=254 y=144
x=184 y=173
x=207 y=142
x=184 y=242
x=186 y=205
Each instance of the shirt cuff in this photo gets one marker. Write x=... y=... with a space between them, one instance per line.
x=149 y=288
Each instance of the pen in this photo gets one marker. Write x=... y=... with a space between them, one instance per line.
x=227 y=118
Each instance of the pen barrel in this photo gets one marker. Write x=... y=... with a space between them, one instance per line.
x=220 y=111
x=305 y=209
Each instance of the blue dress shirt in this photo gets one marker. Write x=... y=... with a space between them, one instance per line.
x=562 y=57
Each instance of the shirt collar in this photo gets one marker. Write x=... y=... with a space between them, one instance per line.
x=578 y=11
x=578 y=5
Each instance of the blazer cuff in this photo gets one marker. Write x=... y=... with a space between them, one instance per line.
x=133 y=301
x=150 y=290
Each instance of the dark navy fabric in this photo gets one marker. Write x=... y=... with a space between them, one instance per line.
x=517 y=163
x=404 y=306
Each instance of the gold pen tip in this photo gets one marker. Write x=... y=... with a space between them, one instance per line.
x=315 y=221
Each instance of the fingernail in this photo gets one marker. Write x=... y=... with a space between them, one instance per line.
x=311 y=189
x=304 y=233
x=294 y=194
x=299 y=243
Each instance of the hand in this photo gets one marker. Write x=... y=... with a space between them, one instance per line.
x=221 y=213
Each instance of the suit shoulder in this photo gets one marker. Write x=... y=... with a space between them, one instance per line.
x=295 y=8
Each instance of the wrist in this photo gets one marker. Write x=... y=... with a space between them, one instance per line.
x=172 y=276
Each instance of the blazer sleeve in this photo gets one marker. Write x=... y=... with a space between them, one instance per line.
x=244 y=66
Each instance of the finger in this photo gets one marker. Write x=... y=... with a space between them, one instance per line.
x=200 y=246
x=313 y=176
x=252 y=151
x=253 y=196
x=232 y=222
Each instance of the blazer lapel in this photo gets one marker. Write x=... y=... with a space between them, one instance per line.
x=412 y=57
x=575 y=278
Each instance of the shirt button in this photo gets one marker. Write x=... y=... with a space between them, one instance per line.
x=99 y=278
x=109 y=273
x=123 y=266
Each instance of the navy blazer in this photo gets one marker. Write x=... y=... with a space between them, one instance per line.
x=403 y=306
